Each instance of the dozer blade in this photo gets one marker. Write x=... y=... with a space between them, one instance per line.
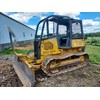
x=25 y=74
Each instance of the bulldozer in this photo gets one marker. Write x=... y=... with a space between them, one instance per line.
x=59 y=47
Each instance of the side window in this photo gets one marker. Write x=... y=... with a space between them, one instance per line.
x=76 y=30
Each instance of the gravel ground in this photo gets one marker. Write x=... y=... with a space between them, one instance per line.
x=8 y=77
x=88 y=76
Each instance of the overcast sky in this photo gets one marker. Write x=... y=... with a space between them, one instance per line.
x=91 y=20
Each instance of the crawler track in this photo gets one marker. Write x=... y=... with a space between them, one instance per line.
x=55 y=65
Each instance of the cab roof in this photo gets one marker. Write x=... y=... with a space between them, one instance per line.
x=59 y=19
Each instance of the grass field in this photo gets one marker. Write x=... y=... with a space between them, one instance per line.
x=95 y=40
x=94 y=49
x=94 y=53
x=10 y=52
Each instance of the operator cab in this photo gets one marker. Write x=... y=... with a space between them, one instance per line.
x=67 y=30
x=63 y=28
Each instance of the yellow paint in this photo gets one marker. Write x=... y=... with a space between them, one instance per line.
x=82 y=58
x=78 y=43
x=49 y=47
x=54 y=50
x=44 y=52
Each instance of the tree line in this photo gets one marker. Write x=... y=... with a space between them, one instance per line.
x=96 y=34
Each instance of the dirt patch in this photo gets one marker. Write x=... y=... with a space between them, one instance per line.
x=86 y=76
x=8 y=77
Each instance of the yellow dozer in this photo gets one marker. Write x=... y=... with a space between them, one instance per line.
x=59 y=46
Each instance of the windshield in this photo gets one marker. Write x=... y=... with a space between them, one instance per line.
x=49 y=30
x=39 y=30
